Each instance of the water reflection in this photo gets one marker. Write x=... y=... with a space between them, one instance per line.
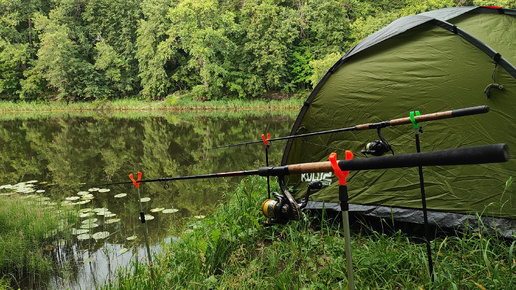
x=71 y=155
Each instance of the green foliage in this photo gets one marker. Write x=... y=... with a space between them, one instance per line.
x=77 y=50
x=232 y=249
x=29 y=228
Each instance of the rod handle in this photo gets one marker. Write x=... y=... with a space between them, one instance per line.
x=458 y=156
x=442 y=115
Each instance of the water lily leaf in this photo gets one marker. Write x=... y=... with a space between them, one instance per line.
x=100 y=235
x=73 y=198
x=123 y=251
x=131 y=238
x=104 y=190
x=79 y=231
x=121 y=195
x=170 y=210
x=109 y=215
x=145 y=199
x=90 y=220
x=86 y=214
x=84 y=237
x=199 y=217
x=103 y=212
x=148 y=217
x=89 y=226
x=31 y=181
x=93 y=189
x=158 y=209
x=40 y=191
x=88 y=196
x=83 y=192
x=111 y=221
x=83 y=201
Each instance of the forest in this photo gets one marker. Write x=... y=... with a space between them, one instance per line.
x=87 y=50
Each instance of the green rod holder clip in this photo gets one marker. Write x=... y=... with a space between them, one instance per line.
x=416 y=124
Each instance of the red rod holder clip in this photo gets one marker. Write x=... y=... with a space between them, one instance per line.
x=136 y=183
x=266 y=141
x=338 y=172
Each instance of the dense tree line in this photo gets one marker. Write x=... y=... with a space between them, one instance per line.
x=105 y=49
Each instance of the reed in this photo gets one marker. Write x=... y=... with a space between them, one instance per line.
x=172 y=103
x=232 y=250
x=30 y=229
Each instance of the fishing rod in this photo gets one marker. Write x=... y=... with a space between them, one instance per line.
x=457 y=156
x=395 y=122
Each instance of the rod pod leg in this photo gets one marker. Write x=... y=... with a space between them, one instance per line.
x=344 y=208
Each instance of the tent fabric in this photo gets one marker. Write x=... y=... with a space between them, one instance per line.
x=435 y=61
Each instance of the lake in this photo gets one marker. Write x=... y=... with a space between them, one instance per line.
x=73 y=157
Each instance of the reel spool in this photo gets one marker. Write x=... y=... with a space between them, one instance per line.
x=377 y=147
x=281 y=210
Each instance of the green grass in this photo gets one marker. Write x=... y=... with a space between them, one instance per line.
x=232 y=250
x=30 y=228
x=171 y=103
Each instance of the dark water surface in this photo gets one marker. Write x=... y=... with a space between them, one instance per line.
x=74 y=155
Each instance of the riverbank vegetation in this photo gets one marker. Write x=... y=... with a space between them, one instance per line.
x=31 y=229
x=232 y=249
x=89 y=50
x=177 y=105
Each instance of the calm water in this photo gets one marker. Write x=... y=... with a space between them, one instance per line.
x=71 y=156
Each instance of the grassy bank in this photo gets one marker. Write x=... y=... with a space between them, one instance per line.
x=171 y=103
x=30 y=228
x=231 y=250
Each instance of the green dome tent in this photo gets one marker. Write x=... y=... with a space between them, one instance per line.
x=435 y=61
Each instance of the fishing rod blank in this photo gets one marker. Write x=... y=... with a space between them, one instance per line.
x=395 y=122
x=458 y=156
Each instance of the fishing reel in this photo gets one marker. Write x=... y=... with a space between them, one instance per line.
x=377 y=147
x=284 y=208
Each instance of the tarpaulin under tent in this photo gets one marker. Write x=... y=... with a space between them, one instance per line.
x=435 y=61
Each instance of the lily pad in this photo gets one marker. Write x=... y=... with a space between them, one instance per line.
x=73 y=198
x=83 y=192
x=93 y=189
x=121 y=195
x=123 y=251
x=111 y=221
x=84 y=210
x=170 y=210
x=84 y=237
x=86 y=214
x=89 y=226
x=158 y=209
x=109 y=214
x=199 y=217
x=131 y=238
x=90 y=220
x=104 y=211
x=100 y=235
x=148 y=217
x=145 y=199
x=79 y=231
x=104 y=190
x=40 y=191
